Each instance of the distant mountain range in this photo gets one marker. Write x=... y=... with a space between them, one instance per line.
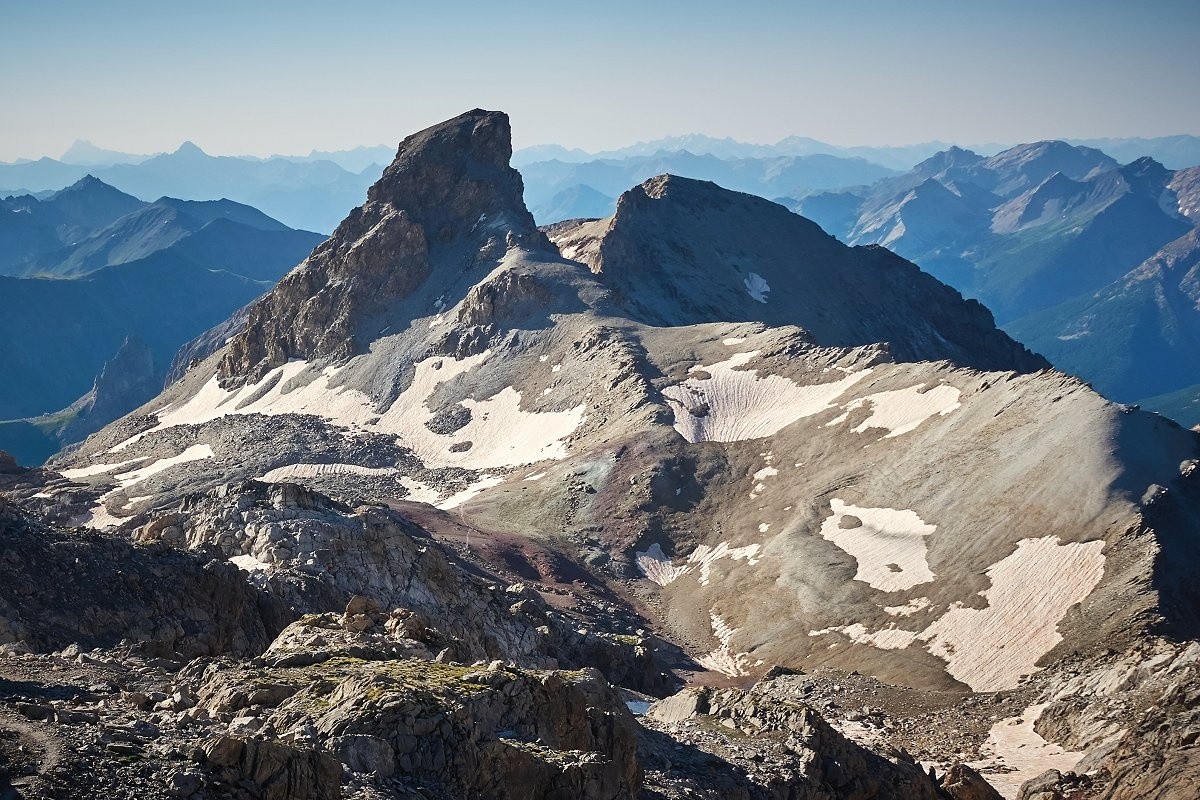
x=1176 y=152
x=99 y=291
x=1087 y=261
x=309 y=194
x=545 y=181
x=1025 y=230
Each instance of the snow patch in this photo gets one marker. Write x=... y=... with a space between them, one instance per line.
x=723 y=659
x=901 y=410
x=500 y=432
x=1016 y=748
x=249 y=564
x=704 y=557
x=734 y=405
x=890 y=638
x=197 y=452
x=991 y=648
x=655 y=565
x=293 y=471
x=888 y=544
x=98 y=469
x=98 y=518
x=419 y=492
x=756 y=287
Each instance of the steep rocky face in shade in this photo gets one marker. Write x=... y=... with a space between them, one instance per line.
x=127 y=380
x=683 y=252
x=448 y=198
x=162 y=603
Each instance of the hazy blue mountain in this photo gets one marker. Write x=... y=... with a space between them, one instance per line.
x=59 y=333
x=549 y=152
x=41 y=175
x=86 y=154
x=90 y=225
x=767 y=177
x=1023 y=230
x=312 y=195
x=31 y=228
x=1174 y=152
x=897 y=157
x=575 y=202
x=147 y=230
x=1138 y=337
x=353 y=160
x=1094 y=264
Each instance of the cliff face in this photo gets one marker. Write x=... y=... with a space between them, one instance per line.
x=449 y=202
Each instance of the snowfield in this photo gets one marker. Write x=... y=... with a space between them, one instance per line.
x=734 y=405
x=500 y=432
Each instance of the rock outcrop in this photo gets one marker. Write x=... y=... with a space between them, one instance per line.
x=91 y=590
x=475 y=731
x=742 y=729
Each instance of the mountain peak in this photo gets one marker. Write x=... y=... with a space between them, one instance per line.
x=681 y=251
x=87 y=182
x=952 y=157
x=189 y=148
x=455 y=171
x=447 y=203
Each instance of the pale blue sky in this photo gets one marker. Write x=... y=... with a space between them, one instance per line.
x=269 y=77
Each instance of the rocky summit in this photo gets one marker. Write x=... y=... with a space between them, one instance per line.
x=693 y=501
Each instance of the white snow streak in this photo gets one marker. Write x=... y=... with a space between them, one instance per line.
x=500 y=432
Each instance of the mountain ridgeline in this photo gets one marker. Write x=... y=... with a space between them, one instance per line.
x=103 y=272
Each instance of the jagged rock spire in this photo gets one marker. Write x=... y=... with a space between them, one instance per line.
x=449 y=198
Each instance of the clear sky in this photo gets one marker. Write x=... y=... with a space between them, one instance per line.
x=287 y=77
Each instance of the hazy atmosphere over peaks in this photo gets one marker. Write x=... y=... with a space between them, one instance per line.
x=264 y=78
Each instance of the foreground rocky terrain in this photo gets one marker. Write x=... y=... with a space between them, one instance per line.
x=692 y=501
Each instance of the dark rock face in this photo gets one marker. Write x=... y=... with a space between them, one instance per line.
x=683 y=252
x=127 y=380
x=1153 y=708
x=94 y=591
x=443 y=200
x=742 y=728
x=964 y=783
x=275 y=770
x=316 y=555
